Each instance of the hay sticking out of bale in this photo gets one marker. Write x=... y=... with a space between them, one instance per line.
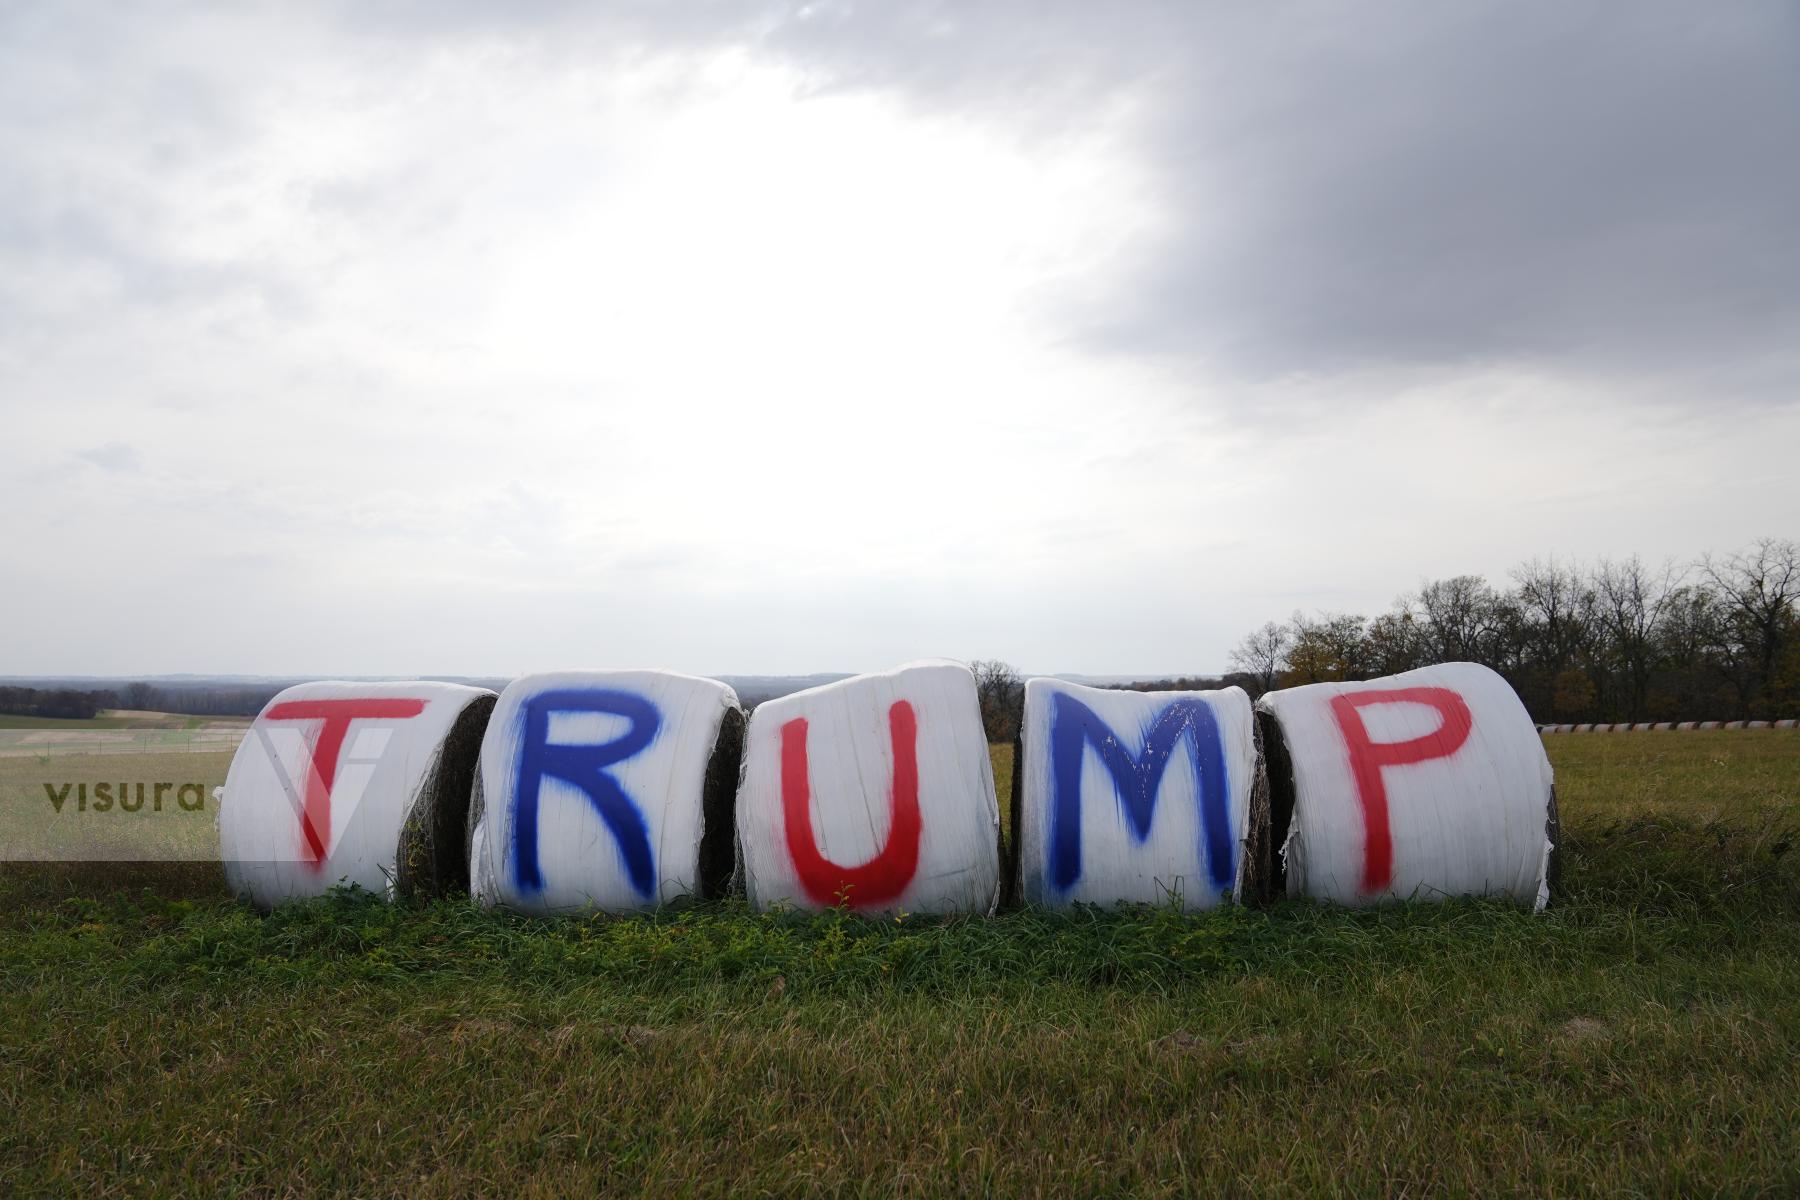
x=718 y=841
x=432 y=860
x=1278 y=770
x=1011 y=857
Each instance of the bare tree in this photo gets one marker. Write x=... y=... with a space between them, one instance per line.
x=1631 y=602
x=141 y=696
x=1262 y=654
x=1002 y=696
x=1461 y=617
x=1760 y=588
x=1559 y=606
x=1394 y=642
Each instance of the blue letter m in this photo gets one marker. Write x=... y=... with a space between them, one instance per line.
x=583 y=766
x=1074 y=727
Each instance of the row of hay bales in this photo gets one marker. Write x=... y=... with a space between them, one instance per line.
x=1667 y=726
x=627 y=790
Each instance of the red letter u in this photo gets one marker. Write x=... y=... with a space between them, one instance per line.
x=886 y=875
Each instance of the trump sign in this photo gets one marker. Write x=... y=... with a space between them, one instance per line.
x=875 y=793
x=353 y=783
x=605 y=790
x=1133 y=796
x=1424 y=785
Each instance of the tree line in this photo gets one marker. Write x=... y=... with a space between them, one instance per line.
x=1717 y=639
x=67 y=703
x=1614 y=640
x=82 y=704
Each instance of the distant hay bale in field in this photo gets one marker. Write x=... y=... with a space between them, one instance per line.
x=875 y=792
x=1786 y=723
x=1710 y=725
x=353 y=783
x=1134 y=796
x=607 y=790
x=1756 y=725
x=1424 y=785
x=1688 y=725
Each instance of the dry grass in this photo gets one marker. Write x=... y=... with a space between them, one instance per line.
x=1638 y=1038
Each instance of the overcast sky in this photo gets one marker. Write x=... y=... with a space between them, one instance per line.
x=463 y=338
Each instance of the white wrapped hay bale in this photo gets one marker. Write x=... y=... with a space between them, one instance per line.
x=875 y=792
x=1133 y=796
x=607 y=790
x=353 y=783
x=1424 y=785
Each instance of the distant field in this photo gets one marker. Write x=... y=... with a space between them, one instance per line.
x=15 y=721
x=119 y=718
x=1640 y=1037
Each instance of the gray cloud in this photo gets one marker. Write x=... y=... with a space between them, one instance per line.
x=297 y=269
x=1606 y=186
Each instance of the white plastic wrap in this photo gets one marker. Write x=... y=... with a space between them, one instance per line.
x=1424 y=785
x=594 y=790
x=875 y=792
x=352 y=783
x=1133 y=796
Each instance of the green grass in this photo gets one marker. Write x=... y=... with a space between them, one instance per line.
x=77 y=724
x=31 y=826
x=1640 y=1037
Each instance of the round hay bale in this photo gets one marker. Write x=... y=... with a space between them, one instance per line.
x=605 y=790
x=353 y=783
x=1141 y=797
x=1688 y=725
x=875 y=792
x=1424 y=785
x=1589 y=728
x=1756 y=724
x=1786 y=723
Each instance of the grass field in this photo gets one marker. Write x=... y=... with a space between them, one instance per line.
x=32 y=826
x=115 y=718
x=1640 y=1037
